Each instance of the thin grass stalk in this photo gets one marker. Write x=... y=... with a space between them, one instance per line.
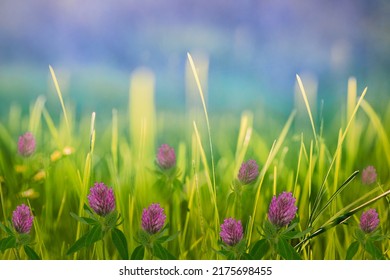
x=212 y=190
x=298 y=166
x=273 y=151
x=342 y=216
x=304 y=96
x=57 y=87
x=36 y=114
x=2 y=202
x=375 y=120
x=37 y=229
x=339 y=146
x=52 y=128
x=244 y=137
x=193 y=68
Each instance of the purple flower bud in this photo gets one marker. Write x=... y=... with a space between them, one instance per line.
x=22 y=219
x=369 y=221
x=368 y=175
x=26 y=144
x=282 y=209
x=248 y=172
x=231 y=231
x=166 y=157
x=153 y=218
x=101 y=199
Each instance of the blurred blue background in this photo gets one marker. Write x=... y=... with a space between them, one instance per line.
x=254 y=49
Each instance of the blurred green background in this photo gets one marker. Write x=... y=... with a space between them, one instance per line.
x=252 y=50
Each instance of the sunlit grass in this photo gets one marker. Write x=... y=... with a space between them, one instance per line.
x=321 y=170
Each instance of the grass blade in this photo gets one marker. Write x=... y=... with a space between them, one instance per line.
x=375 y=120
x=193 y=68
x=304 y=95
x=273 y=151
x=342 y=218
x=339 y=190
x=339 y=145
x=53 y=75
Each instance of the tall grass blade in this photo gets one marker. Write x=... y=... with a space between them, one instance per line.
x=339 y=190
x=375 y=120
x=114 y=138
x=212 y=190
x=339 y=146
x=206 y=115
x=53 y=75
x=339 y=219
x=304 y=95
x=243 y=140
x=142 y=114
x=52 y=128
x=273 y=151
x=36 y=114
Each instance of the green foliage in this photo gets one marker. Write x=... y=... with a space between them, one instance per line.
x=286 y=251
x=319 y=165
x=160 y=252
x=352 y=250
x=32 y=255
x=373 y=250
x=269 y=229
x=95 y=234
x=366 y=241
x=16 y=240
x=260 y=249
x=138 y=253
x=84 y=220
x=6 y=229
x=7 y=243
x=120 y=242
x=79 y=244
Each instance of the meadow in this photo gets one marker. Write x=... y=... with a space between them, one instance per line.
x=318 y=157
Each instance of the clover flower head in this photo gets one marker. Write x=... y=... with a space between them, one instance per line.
x=282 y=209
x=153 y=218
x=101 y=199
x=166 y=157
x=22 y=219
x=231 y=231
x=369 y=175
x=248 y=173
x=369 y=221
x=26 y=144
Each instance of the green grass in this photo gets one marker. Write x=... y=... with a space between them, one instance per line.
x=318 y=165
